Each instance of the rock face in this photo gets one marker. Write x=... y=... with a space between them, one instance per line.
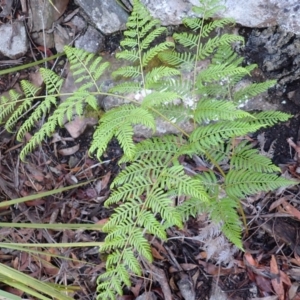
x=107 y=15
x=277 y=52
x=249 y=13
x=13 y=40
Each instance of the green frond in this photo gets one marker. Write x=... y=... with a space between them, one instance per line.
x=118 y=122
x=158 y=73
x=182 y=87
x=241 y=183
x=52 y=80
x=226 y=55
x=18 y=112
x=218 y=154
x=191 y=207
x=189 y=40
x=159 y=98
x=29 y=89
x=206 y=49
x=208 y=10
x=85 y=66
x=210 y=183
x=175 y=178
x=156 y=150
x=269 y=118
x=184 y=60
x=128 y=191
x=115 y=241
x=131 y=262
x=194 y=24
x=218 y=72
x=147 y=220
x=151 y=53
x=151 y=37
x=8 y=105
x=208 y=28
x=130 y=55
x=252 y=90
x=217 y=133
x=128 y=71
x=137 y=240
x=159 y=202
x=141 y=170
x=130 y=43
x=175 y=113
x=244 y=157
x=42 y=109
x=212 y=110
x=229 y=39
x=225 y=211
x=148 y=27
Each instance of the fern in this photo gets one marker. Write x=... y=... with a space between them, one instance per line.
x=144 y=193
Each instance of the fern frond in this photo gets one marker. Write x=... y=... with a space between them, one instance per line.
x=159 y=98
x=214 y=134
x=155 y=150
x=252 y=90
x=42 y=109
x=151 y=37
x=191 y=207
x=269 y=118
x=52 y=80
x=175 y=178
x=184 y=60
x=217 y=72
x=30 y=93
x=157 y=73
x=244 y=157
x=208 y=28
x=158 y=201
x=208 y=110
x=8 y=104
x=128 y=71
x=240 y=183
x=181 y=87
x=130 y=55
x=189 y=40
x=118 y=122
x=85 y=66
x=218 y=154
x=208 y=8
x=150 y=54
x=225 y=211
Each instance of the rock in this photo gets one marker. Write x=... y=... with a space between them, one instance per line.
x=276 y=51
x=107 y=15
x=92 y=40
x=42 y=15
x=248 y=13
x=14 y=41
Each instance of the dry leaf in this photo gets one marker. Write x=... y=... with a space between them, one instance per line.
x=78 y=125
x=290 y=209
x=276 y=282
x=69 y=151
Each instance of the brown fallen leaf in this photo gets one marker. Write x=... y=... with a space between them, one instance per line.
x=277 y=281
x=69 y=151
x=290 y=209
